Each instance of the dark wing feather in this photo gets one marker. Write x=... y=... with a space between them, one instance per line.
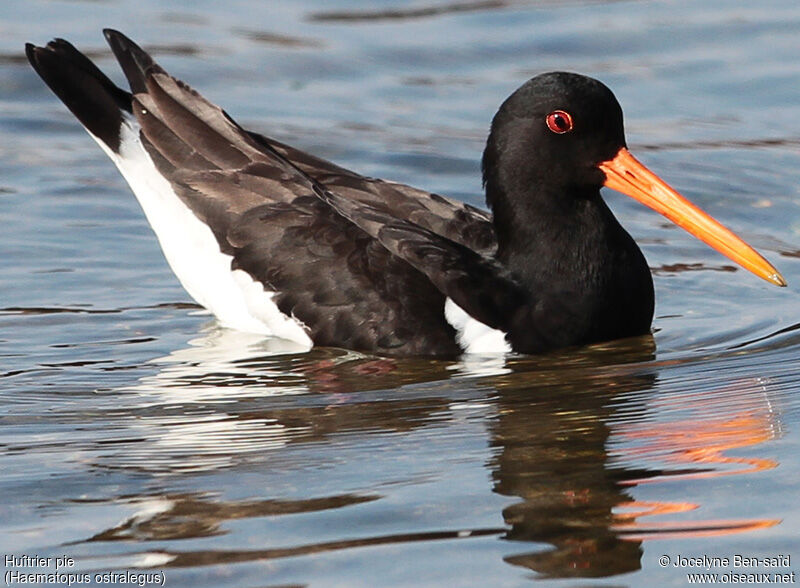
x=478 y=284
x=455 y=220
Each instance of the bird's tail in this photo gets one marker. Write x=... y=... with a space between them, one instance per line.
x=98 y=104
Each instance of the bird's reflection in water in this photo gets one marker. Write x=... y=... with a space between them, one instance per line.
x=552 y=452
x=572 y=435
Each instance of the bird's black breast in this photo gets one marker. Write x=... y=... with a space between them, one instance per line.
x=587 y=281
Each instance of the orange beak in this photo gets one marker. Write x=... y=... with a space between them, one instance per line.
x=626 y=174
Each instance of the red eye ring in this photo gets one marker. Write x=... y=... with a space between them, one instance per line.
x=559 y=121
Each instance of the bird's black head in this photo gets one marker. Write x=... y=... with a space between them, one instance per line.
x=553 y=143
x=551 y=133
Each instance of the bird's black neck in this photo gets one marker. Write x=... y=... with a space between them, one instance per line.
x=579 y=265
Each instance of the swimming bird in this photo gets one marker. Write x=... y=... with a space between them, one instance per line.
x=277 y=241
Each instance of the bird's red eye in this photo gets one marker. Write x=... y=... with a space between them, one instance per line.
x=559 y=121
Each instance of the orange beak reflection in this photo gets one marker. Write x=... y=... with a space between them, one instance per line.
x=626 y=174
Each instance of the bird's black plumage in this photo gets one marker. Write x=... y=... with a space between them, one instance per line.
x=368 y=264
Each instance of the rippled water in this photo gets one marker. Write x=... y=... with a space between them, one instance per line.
x=136 y=435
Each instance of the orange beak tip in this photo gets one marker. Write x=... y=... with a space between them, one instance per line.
x=776 y=278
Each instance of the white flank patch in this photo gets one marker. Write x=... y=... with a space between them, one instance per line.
x=192 y=251
x=472 y=335
x=260 y=306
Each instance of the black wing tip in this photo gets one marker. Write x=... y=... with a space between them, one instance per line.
x=136 y=63
x=120 y=43
x=110 y=34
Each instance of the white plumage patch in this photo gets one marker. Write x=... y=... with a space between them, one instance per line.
x=192 y=251
x=472 y=335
